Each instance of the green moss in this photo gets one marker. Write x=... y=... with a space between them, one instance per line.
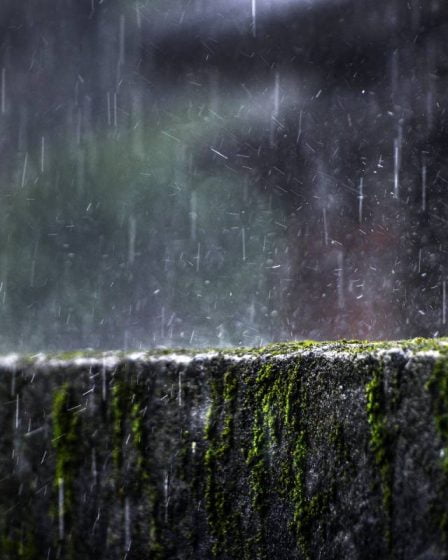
x=224 y=520
x=76 y=354
x=438 y=387
x=138 y=438
x=306 y=508
x=261 y=436
x=381 y=442
x=262 y=401
x=67 y=445
x=341 y=450
x=133 y=476
x=279 y=348
x=258 y=465
x=19 y=548
x=132 y=470
x=265 y=434
x=144 y=484
x=278 y=456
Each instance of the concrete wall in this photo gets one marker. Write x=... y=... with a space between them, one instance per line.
x=292 y=451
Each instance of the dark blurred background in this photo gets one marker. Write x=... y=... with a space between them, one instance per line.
x=206 y=172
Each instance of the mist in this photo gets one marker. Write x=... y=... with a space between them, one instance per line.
x=195 y=173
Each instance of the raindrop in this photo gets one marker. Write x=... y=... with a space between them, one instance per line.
x=42 y=154
x=218 y=153
x=396 y=167
x=340 y=281
x=61 y=507
x=254 y=18
x=103 y=381
x=424 y=186
x=360 y=199
x=115 y=110
x=24 y=168
x=444 y=302
x=179 y=394
x=109 y=109
x=324 y=212
x=276 y=108
x=276 y=95
x=17 y=415
x=132 y=236
x=127 y=524
x=198 y=257
x=397 y=160
x=299 y=132
x=3 y=101
x=166 y=494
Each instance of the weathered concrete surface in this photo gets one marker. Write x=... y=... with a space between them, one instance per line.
x=292 y=451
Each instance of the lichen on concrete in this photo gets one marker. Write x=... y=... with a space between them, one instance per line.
x=381 y=442
x=294 y=451
x=68 y=450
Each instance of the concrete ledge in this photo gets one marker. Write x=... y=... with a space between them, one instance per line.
x=301 y=450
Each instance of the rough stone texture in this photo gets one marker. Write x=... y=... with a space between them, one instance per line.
x=292 y=451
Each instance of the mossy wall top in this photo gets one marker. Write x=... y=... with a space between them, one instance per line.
x=292 y=451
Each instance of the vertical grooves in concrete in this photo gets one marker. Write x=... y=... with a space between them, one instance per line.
x=293 y=451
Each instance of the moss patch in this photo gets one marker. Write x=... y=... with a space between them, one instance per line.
x=131 y=458
x=68 y=447
x=24 y=548
x=224 y=520
x=438 y=387
x=275 y=467
x=381 y=409
x=264 y=414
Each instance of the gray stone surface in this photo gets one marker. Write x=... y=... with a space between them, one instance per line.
x=303 y=450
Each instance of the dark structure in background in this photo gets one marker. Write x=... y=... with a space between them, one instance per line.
x=195 y=173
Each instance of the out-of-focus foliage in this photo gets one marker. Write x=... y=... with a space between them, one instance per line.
x=120 y=241
x=194 y=172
